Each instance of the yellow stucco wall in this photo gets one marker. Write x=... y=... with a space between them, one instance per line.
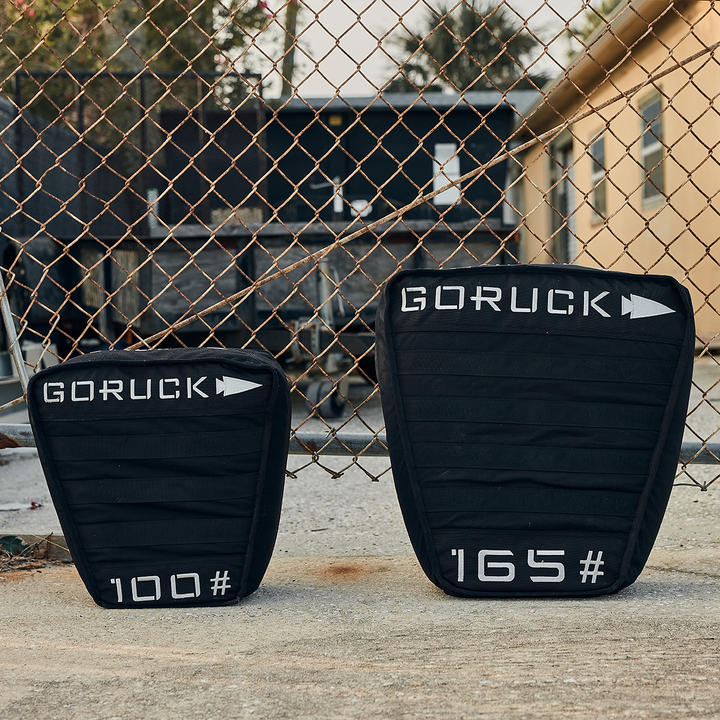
x=678 y=235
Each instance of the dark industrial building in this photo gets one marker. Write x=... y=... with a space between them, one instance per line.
x=230 y=192
x=306 y=149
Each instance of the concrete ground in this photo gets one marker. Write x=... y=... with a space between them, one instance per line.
x=345 y=625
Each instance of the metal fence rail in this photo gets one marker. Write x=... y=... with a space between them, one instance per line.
x=356 y=444
x=250 y=174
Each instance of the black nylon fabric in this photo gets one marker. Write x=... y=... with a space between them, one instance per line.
x=534 y=419
x=167 y=469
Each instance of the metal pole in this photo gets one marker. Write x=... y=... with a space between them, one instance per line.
x=82 y=150
x=203 y=160
x=144 y=184
x=347 y=444
x=18 y=155
x=288 y=63
x=260 y=117
x=13 y=343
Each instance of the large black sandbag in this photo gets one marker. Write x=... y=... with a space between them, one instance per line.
x=166 y=468
x=534 y=420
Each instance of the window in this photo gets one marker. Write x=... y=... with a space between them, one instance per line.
x=597 y=177
x=446 y=167
x=513 y=205
x=651 y=151
x=563 y=202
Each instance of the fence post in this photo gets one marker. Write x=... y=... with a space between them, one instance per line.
x=13 y=342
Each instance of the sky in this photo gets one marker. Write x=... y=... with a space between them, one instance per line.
x=339 y=39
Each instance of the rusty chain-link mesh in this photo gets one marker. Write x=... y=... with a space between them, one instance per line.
x=248 y=174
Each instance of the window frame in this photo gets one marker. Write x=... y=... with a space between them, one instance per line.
x=653 y=186
x=446 y=168
x=562 y=198
x=598 y=177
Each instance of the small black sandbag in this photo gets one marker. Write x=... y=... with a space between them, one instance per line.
x=166 y=468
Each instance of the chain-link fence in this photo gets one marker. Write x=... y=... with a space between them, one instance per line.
x=249 y=174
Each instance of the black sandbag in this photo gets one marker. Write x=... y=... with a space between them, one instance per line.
x=166 y=468
x=534 y=420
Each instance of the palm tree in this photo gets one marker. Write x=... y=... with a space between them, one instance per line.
x=592 y=18
x=473 y=45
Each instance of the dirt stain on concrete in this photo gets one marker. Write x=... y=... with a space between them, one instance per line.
x=15 y=575
x=350 y=570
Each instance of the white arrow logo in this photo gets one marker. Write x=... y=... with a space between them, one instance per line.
x=641 y=307
x=233 y=386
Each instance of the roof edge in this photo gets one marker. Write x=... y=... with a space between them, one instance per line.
x=482 y=99
x=590 y=67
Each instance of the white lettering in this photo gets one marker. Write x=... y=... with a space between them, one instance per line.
x=181 y=596
x=540 y=565
x=79 y=383
x=551 y=302
x=514 y=306
x=146 y=396
x=145 y=578
x=480 y=298
x=460 y=564
x=418 y=302
x=175 y=395
x=194 y=387
x=559 y=302
x=588 y=303
x=495 y=565
x=112 y=387
x=448 y=288
x=57 y=396
x=117 y=582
